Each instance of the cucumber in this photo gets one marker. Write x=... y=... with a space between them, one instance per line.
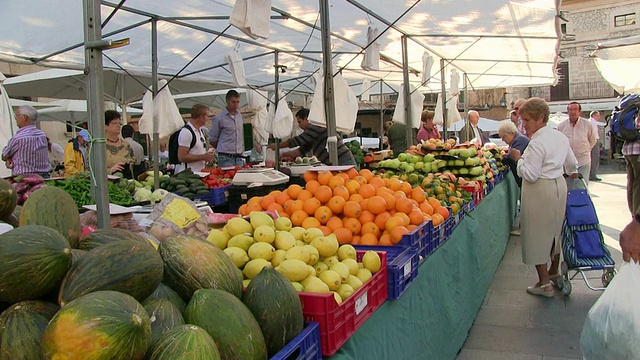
x=202 y=192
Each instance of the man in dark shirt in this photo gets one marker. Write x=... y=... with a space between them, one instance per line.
x=314 y=139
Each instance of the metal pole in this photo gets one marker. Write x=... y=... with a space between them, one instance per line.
x=381 y=117
x=276 y=97
x=329 y=104
x=95 y=92
x=465 y=85
x=443 y=88
x=407 y=92
x=154 y=89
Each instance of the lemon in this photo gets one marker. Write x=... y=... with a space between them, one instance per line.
x=278 y=257
x=347 y=251
x=364 y=275
x=342 y=270
x=297 y=232
x=237 y=226
x=300 y=243
x=237 y=255
x=258 y=218
x=314 y=285
x=253 y=267
x=326 y=245
x=337 y=297
x=354 y=282
x=331 y=260
x=283 y=224
x=371 y=260
x=331 y=278
x=345 y=290
x=294 y=270
x=310 y=234
x=261 y=250
x=246 y=282
x=284 y=240
x=298 y=252
x=314 y=256
x=352 y=265
x=312 y=271
x=218 y=238
x=264 y=233
x=242 y=241
x=320 y=267
x=297 y=286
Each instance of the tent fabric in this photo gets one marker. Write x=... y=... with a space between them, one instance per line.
x=495 y=42
x=252 y=17
x=617 y=61
x=6 y=117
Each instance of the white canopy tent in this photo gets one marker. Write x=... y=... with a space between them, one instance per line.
x=73 y=111
x=616 y=60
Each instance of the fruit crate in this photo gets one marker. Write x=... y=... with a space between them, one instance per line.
x=402 y=267
x=239 y=195
x=469 y=206
x=216 y=196
x=426 y=243
x=339 y=322
x=412 y=239
x=305 y=346
x=478 y=195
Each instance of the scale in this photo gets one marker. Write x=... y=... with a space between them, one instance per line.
x=246 y=177
x=300 y=169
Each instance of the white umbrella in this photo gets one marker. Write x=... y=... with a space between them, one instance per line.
x=72 y=111
x=8 y=125
x=18 y=102
x=615 y=59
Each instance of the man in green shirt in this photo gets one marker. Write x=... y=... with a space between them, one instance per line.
x=397 y=134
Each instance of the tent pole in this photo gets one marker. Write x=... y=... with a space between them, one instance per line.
x=465 y=85
x=443 y=89
x=276 y=84
x=95 y=91
x=329 y=103
x=381 y=118
x=154 y=89
x=407 y=92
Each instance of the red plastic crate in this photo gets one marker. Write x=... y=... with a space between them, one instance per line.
x=339 y=322
x=478 y=195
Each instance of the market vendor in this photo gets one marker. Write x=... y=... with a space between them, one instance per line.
x=227 y=133
x=75 y=154
x=428 y=130
x=314 y=139
x=119 y=153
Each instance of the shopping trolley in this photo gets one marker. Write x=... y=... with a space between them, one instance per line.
x=582 y=241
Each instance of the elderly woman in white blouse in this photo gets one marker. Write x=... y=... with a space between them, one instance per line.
x=544 y=192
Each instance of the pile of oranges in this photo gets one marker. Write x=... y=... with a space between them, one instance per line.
x=358 y=207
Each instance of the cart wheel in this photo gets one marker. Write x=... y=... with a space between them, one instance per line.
x=564 y=268
x=607 y=276
x=560 y=282
x=566 y=289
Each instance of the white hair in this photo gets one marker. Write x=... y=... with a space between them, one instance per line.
x=507 y=127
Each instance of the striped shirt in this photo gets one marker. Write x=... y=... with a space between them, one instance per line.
x=632 y=147
x=314 y=139
x=29 y=152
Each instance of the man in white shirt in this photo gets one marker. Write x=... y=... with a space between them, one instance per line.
x=196 y=156
x=595 y=152
x=471 y=130
x=581 y=137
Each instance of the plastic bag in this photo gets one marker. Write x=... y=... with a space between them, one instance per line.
x=177 y=215
x=612 y=328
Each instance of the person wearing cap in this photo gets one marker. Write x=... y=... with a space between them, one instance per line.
x=75 y=154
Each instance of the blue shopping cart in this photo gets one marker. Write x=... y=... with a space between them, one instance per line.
x=582 y=241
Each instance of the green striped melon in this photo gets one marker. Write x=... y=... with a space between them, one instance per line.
x=104 y=236
x=21 y=328
x=164 y=316
x=184 y=342
x=167 y=293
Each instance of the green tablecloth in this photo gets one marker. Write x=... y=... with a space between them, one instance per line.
x=432 y=318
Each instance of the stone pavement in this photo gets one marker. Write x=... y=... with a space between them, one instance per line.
x=514 y=325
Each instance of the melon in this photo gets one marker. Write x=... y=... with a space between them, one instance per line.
x=167 y=293
x=104 y=236
x=184 y=342
x=229 y=322
x=21 y=328
x=54 y=208
x=102 y=325
x=164 y=316
x=8 y=199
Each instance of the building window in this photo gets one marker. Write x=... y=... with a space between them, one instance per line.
x=563 y=29
x=625 y=20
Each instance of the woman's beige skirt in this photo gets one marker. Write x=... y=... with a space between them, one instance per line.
x=543 y=207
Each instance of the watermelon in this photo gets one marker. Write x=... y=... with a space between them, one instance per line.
x=164 y=316
x=76 y=254
x=275 y=304
x=33 y=262
x=21 y=329
x=127 y=266
x=8 y=199
x=229 y=322
x=14 y=218
x=165 y=292
x=103 y=236
x=191 y=264
x=102 y=325
x=188 y=342
x=53 y=207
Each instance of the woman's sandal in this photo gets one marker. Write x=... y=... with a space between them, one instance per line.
x=540 y=290
x=554 y=280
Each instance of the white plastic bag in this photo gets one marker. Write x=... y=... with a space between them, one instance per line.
x=612 y=328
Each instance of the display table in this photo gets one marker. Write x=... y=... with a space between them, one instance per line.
x=432 y=318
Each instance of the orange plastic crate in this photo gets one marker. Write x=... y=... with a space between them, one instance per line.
x=339 y=322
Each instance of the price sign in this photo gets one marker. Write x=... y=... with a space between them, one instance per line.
x=361 y=303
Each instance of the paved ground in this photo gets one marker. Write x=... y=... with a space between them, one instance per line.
x=514 y=325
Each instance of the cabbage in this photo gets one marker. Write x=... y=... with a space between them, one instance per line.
x=158 y=195
x=142 y=194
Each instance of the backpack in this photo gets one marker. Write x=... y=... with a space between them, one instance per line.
x=173 y=144
x=624 y=117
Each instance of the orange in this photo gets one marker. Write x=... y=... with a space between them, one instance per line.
x=410 y=227
x=298 y=217
x=426 y=208
x=353 y=186
x=394 y=184
x=253 y=207
x=376 y=205
x=336 y=180
x=310 y=222
x=311 y=205
x=383 y=190
x=312 y=186
x=334 y=223
x=275 y=207
x=406 y=188
x=393 y=222
x=243 y=210
x=376 y=181
x=416 y=217
x=352 y=173
x=351 y=209
x=341 y=191
x=254 y=200
x=382 y=219
x=455 y=208
x=352 y=224
x=368 y=239
x=344 y=176
x=418 y=194
x=336 y=204
x=274 y=193
x=296 y=205
x=324 y=177
x=324 y=194
x=404 y=205
x=370 y=228
x=364 y=203
x=437 y=219
x=356 y=197
x=323 y=214
x=282 y=198
x=390 y=199
x=355 y=240
x=397 y=232
x=310 y=175
x=367 y=190
x=360 y=179
x=385 y=240
x=294 y=190
x=305 y=195
x=366 y=216
x=405 y=218
x=287 y=206
x=367 y=174
x=343 y=235
x=434 y=203
x=399 y=194
x=443 y=211
x=325 y=230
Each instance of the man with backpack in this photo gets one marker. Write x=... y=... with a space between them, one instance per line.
x=187 y=146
